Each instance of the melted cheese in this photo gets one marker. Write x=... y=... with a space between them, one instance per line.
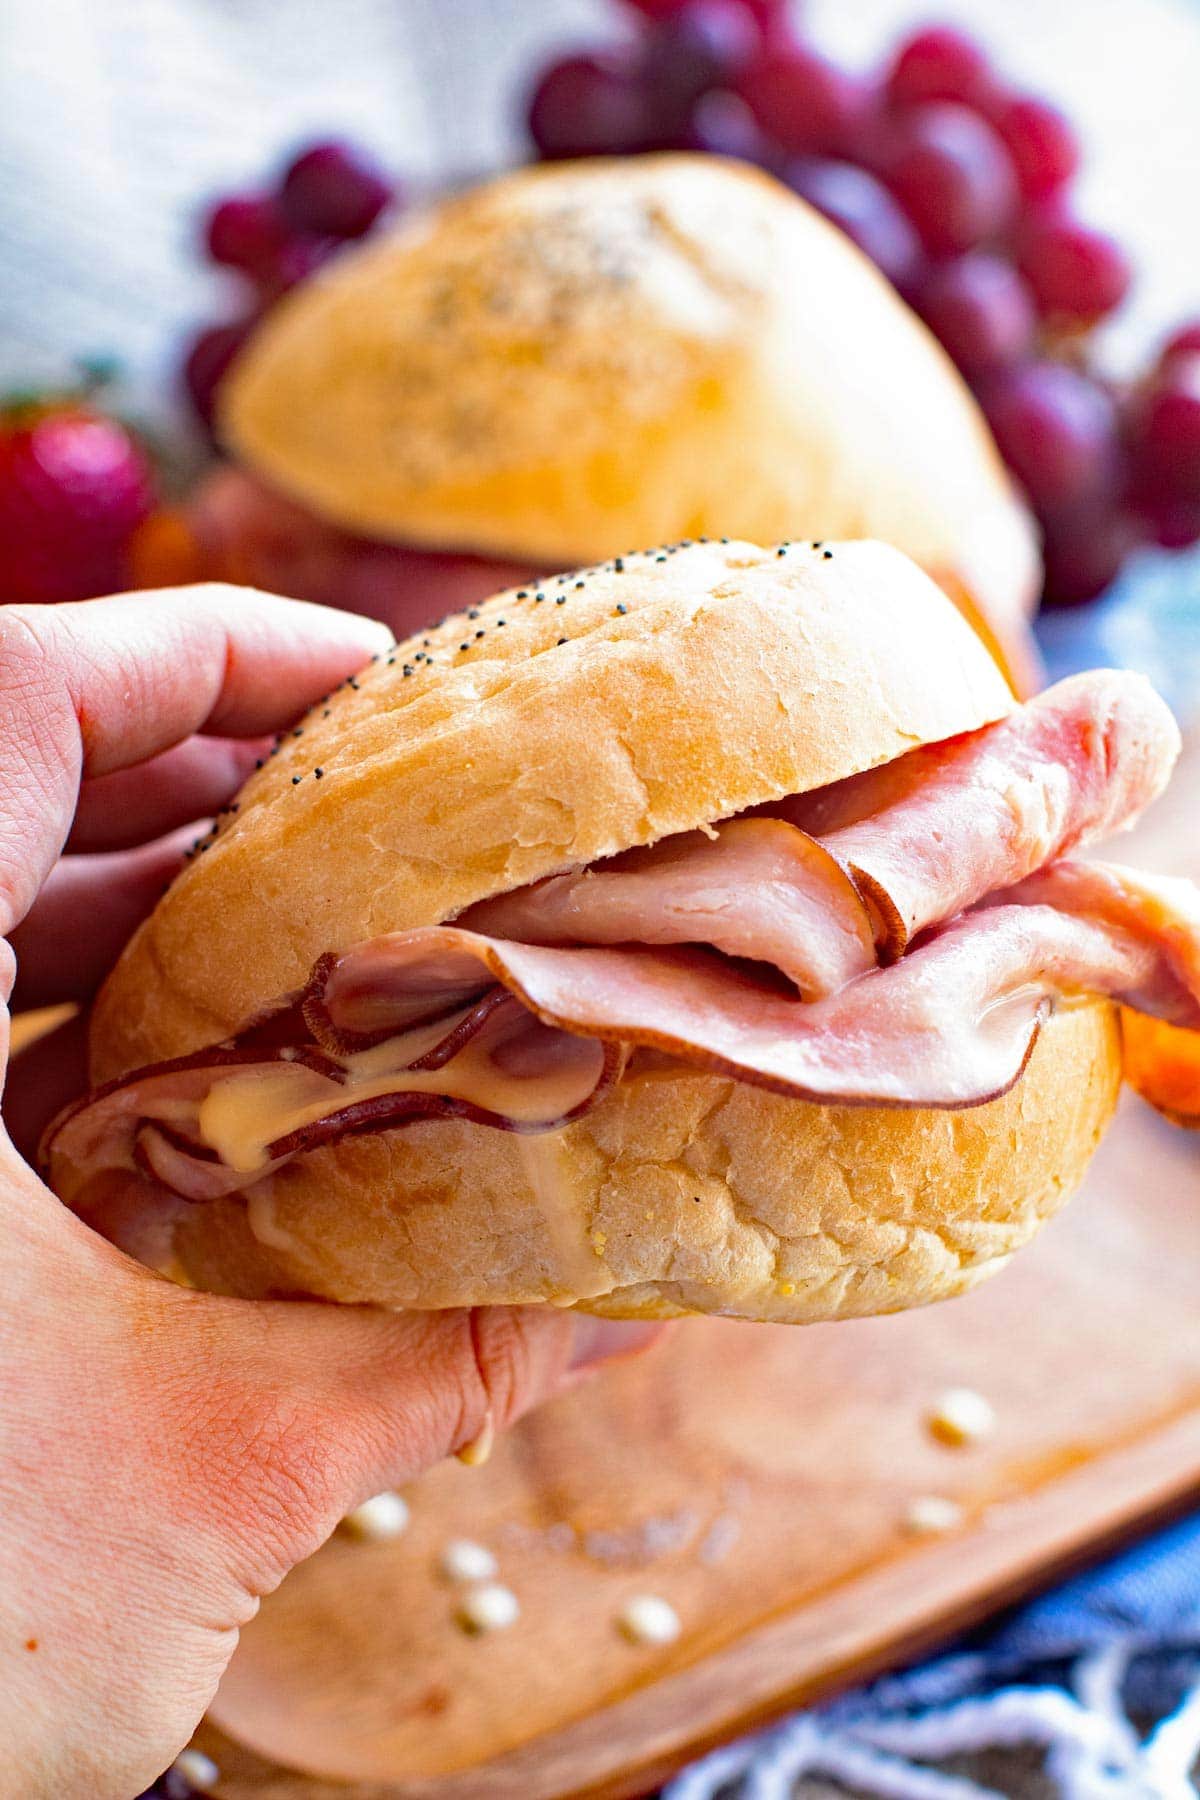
x=245 y=1112
x=577 y=1267
x=264 y=1224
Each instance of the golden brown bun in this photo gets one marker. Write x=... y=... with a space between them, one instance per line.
x=682 y=1192
x=573 y=359
x=733 y=676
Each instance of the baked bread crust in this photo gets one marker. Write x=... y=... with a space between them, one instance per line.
x=733 y=676
x=692 y=683
x=682 y=1192
x=572 y=359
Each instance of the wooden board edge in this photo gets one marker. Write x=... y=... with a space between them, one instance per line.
x=832 y=1643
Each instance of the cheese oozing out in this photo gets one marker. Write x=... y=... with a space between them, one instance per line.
x=244 y=1113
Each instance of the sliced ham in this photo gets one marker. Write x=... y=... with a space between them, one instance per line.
x=1162 y=1046
x=949 y=823
x=757 y=889
x=210 y=1124
x=922 y=838
x=949 y=1025
x=754 y=951
x=246 y=532
x=1161 y=912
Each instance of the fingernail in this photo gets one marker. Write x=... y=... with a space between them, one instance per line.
x=608 y=1340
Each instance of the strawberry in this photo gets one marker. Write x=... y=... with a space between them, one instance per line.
x=73 y=487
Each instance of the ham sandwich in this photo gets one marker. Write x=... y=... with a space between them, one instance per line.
x=895 y=939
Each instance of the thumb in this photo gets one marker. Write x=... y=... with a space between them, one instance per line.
x=316 y=1407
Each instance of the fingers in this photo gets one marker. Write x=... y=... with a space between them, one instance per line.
x=358 y=1400
x=191 y=781
x=144 y=671
x=43 y=1078
x=101 y=685
x=84 y=916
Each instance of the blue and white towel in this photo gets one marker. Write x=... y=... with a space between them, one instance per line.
x=1103 y=1675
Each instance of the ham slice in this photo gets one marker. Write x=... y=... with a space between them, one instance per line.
x=949 y=1025
x=758 y=889
x=940 y=828
x=101 y=1130
x=244 y=531
x=921 y=839
x=1162 y=1046
x=753 y=951
x=1162 y=911
x=212 y=1123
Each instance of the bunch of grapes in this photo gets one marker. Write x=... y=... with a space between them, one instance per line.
x=958 y=187
x=328 y=195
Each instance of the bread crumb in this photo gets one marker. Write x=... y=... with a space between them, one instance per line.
x=648 y=1619
x=381 y=1517
x=464 y=1560
x=488 y=1607
x=929 y=1515
x=198 y=1770
x=961 y=1417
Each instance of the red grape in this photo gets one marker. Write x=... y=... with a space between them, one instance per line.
x=803 y=101
x=938 y=63
x=1083 y=551
x=1056 y=430
x=721 y=124
x=1041 y=142
x=953 y=177
x=210 y=356
x=332 y=191
x=980 y=309
x=1075 y=272
x=1171 y=522
x=657 y=9
x=592 y=105
x=703 y=46
x=299 y=259
x=1182 y=342
x=771 y=16
x=766 y=14
x=864 y=210
x=246 y=232
x=74 y=488
x=1166 y=429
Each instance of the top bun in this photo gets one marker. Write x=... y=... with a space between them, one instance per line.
x=577 y=358
x=547 y=728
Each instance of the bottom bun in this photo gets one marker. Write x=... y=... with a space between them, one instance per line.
x=682 y=1192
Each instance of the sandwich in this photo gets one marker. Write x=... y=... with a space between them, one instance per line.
x=544 y=370
x=703 y=931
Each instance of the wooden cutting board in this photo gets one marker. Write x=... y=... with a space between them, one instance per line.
x=759 y=1478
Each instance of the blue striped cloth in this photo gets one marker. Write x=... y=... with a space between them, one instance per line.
x=1102 y=1674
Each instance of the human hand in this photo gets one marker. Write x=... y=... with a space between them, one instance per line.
x=166 y=1456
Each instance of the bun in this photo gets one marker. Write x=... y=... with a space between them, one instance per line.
x=694 y=682
x=682 y=1192
x=573 y=359
x=732 y=677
